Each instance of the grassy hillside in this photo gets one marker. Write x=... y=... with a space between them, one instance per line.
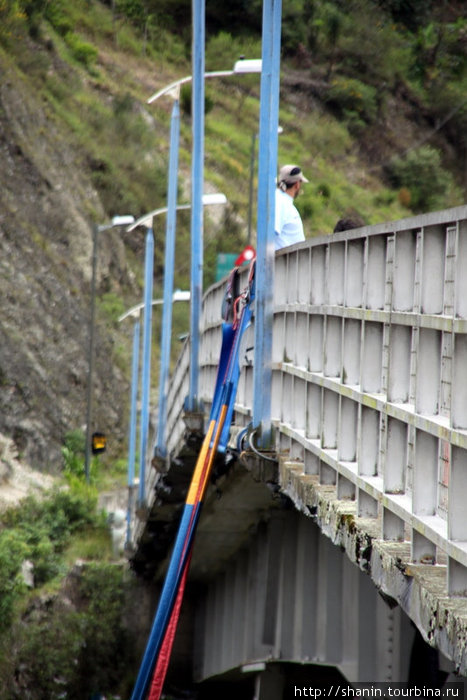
x=349 y=99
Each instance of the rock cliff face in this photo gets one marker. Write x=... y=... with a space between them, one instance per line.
x=16 y=480
x=46 y=206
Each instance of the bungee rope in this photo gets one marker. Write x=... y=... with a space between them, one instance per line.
x=236 y=311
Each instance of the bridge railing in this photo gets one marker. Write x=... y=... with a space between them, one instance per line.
x=178 y=391
x=370 y=375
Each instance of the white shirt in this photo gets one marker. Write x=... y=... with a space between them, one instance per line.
x=288 y=227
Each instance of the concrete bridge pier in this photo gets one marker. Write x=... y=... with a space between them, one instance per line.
x=269 y=684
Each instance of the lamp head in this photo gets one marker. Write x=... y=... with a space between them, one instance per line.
x=214 y=198
x=124 y=220
x=248 y=65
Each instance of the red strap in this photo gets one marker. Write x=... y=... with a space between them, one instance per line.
x=166 y=649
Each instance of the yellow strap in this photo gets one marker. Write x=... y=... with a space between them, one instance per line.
x=212 y=453
x=199 y=469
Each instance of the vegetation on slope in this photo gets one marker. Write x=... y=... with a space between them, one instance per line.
x=61 y=624
x=372 y=106
x=66 y=596
x=363 y=83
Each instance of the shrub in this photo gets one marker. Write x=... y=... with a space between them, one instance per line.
x=75 y=441
x=307 y=207
x=404 y=197
x=323 y=190
x=58 y=15
x=13 y=551
x=82 y=51
x=39 y=531
x=46 y=654
x=103 y=590
x=71 y=649
x=73 y=453
x=75 y=506
x=12 y=22
x=410 y=14
x=420 y=172
x=353 y=98
x=185 y=100
x=59 y=515
x=112 y=306
x=223 y=49
x=133 y=9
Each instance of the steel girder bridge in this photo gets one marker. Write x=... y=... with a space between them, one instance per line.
x=342 y=547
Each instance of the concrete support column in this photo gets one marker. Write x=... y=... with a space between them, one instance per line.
x=269 y=684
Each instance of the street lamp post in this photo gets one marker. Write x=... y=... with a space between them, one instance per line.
x=178 y=295
x=146 y=369
x=211 y=198
x=267 y=168
x=169 y=265
x=135 y=313
x=133 y=425
x=197 y=179
x=207 y=199
x=146 y=220
x=97 y=229
x=243 y=66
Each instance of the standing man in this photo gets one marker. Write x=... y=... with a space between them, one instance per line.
x=288 y=223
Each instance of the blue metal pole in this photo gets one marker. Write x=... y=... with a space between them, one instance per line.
x=133 y=425
x=146 y=369
x=168 y=278
x=196 y=197
x=267 y=168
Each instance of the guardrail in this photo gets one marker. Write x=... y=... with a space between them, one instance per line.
x=369 y=375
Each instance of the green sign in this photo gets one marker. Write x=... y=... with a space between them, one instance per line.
x=225 y=262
